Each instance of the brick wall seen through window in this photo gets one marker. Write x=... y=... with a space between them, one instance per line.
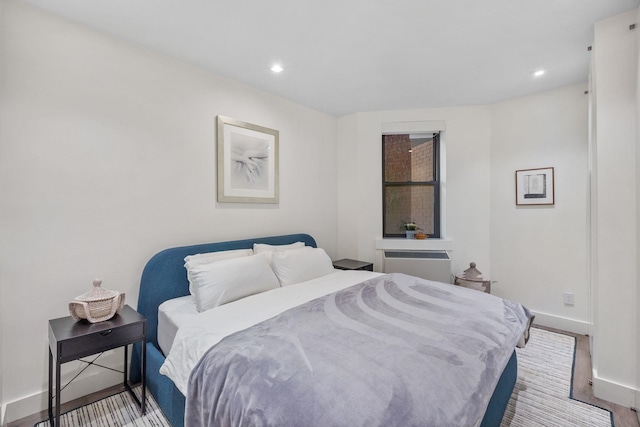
x=410 y=183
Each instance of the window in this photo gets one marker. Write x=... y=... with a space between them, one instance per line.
x=410 y=183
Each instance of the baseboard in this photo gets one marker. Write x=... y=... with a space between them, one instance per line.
x=80 y=387
x=562 y=323
x=621 y=394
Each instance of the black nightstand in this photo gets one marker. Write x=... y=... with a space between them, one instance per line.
x=352 y=264
x=70 y=340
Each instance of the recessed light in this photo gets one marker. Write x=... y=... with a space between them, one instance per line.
x=277 y=68
x=539 y=73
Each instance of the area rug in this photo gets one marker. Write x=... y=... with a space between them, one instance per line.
x=119 y=410
x=542 y=395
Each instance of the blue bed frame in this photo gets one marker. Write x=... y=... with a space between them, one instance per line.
x=164 y=277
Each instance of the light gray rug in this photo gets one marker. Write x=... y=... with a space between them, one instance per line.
x=119 y=410
x=540 y=398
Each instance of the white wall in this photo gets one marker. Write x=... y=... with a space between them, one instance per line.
x=1 y=287
x=539 y=252
x=614 y=77
x=108 y=155
x=637 y=40
x=467 y=187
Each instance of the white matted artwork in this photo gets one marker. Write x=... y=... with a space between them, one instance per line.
x=535 y=187
x=247 y=162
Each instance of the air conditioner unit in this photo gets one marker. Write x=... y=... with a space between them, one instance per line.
x=431 y=265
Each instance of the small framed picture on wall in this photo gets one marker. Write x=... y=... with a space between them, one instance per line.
x=534 y=187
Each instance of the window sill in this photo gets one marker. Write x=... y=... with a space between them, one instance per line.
x=414 y=244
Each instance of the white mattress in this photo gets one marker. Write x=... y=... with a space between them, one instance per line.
x=171 y=315
x=196 y=334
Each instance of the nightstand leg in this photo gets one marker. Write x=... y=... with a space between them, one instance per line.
x=126 y=371
x=50 y=385
x=144 y=374
x=143 y=392
x=57 y=422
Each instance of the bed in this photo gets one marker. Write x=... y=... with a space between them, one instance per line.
x=164 y=279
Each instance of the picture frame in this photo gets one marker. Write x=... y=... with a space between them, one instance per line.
x=247 y=162
x=535 y=187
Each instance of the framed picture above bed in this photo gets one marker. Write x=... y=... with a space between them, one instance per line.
x=247 y=162
x=535 y=187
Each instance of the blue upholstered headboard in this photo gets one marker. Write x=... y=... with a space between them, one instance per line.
x=164 y=277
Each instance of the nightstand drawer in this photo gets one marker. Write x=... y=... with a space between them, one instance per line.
x=100 y=341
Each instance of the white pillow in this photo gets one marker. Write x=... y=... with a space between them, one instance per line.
x=300 y=265
x=268 y=250
x=217 y=256
x=198 y=259
x=224 y=281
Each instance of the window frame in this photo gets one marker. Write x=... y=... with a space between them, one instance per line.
x=435 y=183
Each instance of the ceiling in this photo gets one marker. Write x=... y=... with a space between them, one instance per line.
x=346 y=56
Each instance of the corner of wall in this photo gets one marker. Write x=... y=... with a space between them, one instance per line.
x=616 y=350
x=2 y=310
x=347 y=218
x=637 y=48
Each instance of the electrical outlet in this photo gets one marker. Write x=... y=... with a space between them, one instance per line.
x=567 y=297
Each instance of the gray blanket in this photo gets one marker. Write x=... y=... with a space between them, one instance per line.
x=395 y=350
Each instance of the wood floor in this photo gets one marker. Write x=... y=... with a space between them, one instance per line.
x=623 y=417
